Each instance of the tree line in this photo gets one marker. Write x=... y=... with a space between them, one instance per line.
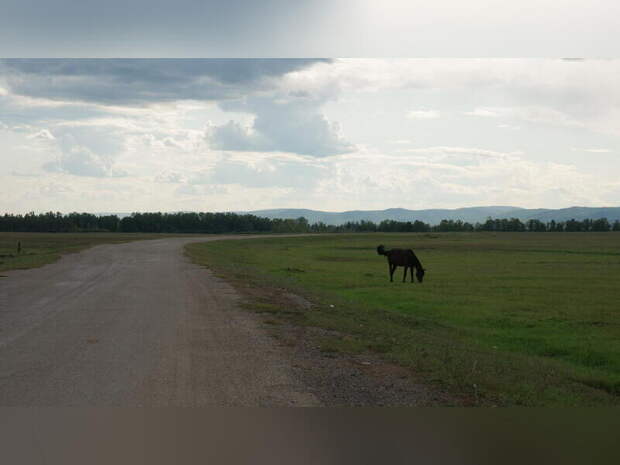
x=491 y=224
x=217 y=223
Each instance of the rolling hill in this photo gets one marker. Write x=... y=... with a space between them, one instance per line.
x=434 y=216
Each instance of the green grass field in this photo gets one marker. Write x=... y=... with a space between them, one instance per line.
x=501 y=319
x=39 y=249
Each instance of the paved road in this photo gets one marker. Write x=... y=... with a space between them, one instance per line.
x=135 y=324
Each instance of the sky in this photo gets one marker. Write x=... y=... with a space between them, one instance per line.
x=122 y=135
x=435 y=105
x=309 y=28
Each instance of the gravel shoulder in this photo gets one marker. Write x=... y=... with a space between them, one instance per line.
x=336 y=378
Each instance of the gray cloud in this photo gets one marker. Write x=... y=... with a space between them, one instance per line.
x=146 y=28
x=292 y=123
x=140 y=81
x=234 y=136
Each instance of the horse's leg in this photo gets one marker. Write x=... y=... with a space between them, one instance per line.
x=411 y=269
x=392 y=268
x=405 y=274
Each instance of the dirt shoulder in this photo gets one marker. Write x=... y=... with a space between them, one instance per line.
x=336 y=377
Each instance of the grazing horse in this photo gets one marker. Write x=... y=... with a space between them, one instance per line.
x=402 y=257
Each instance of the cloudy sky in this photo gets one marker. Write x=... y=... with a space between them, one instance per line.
x=302 y=28
x=119 y=135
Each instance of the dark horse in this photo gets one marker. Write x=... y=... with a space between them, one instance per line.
x=402 y=257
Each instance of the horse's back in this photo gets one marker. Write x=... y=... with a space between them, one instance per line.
x=401 y=257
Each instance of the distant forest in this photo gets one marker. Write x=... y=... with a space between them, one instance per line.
x=218 y=223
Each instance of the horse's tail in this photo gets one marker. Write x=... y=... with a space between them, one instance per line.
x=381 y=250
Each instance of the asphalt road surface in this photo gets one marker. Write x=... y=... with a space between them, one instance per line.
x=135 y=324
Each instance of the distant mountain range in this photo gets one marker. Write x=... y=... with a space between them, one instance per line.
x=434 y=216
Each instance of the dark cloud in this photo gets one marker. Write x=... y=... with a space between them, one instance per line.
x=153 y=28
x=140 y=81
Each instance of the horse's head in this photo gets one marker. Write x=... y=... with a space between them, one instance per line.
x=419 y=273
x=381 y=250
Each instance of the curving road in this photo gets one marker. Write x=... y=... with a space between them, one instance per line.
x=135 y=324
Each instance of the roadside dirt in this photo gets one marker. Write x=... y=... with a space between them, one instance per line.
x=335 y=378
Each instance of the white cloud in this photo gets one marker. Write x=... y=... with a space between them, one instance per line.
x=483 y=112
x=43 y=134
x=86 y=151
x=598 y=150
x=267 y=171
x=532 y=114
x=54 y=189
x=463 y=152
x=450 y=177
x=81 y=161
x=170 y=177
x=24 y=153
x=200 y=191
x=542 y=115
x=574 y=94
x=423 y=114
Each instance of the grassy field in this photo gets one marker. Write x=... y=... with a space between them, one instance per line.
x=39 y=249
x=502 y=319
